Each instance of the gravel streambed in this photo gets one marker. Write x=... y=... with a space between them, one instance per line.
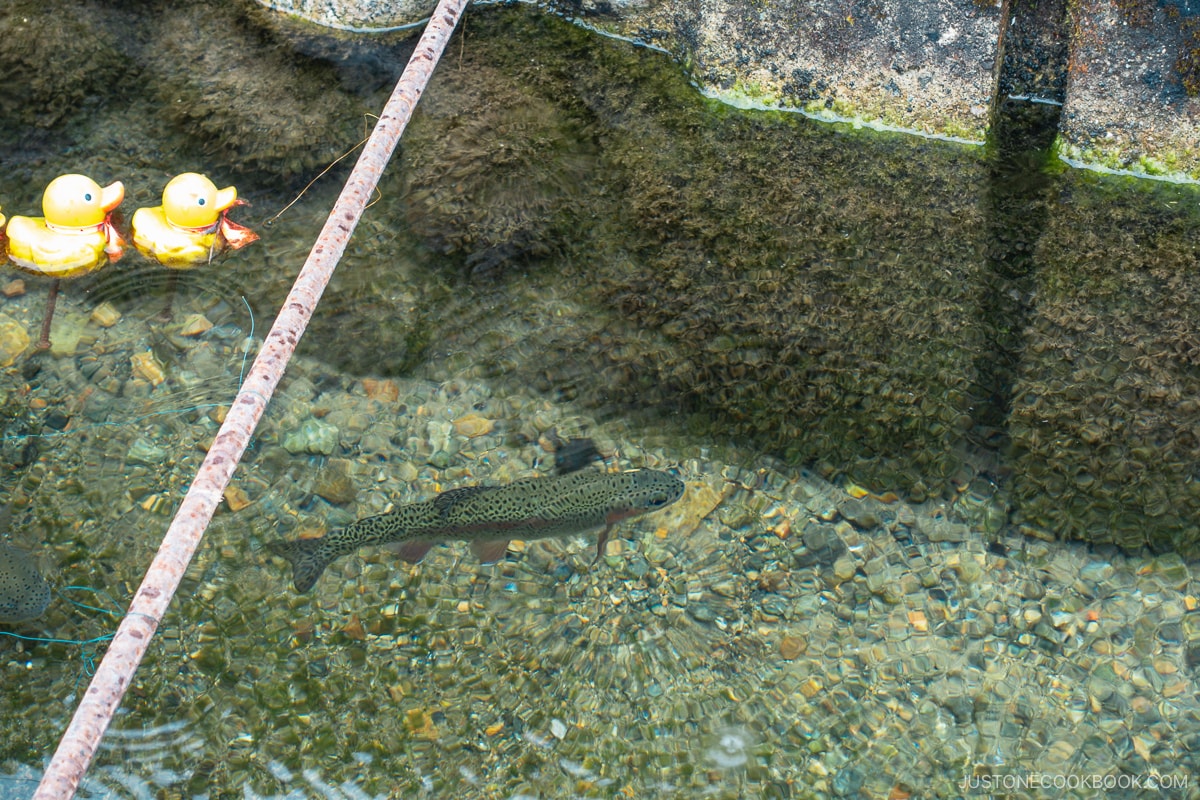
x=772 y=634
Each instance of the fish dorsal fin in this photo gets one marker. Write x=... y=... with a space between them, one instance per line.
x=575 y=454
x=489 y=552
x=451 y=497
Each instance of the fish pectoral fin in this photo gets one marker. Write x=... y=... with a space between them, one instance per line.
x=489 y=552
x=413 y=551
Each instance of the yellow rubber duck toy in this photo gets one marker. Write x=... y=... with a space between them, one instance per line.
x=191 y=226
x=74 y=237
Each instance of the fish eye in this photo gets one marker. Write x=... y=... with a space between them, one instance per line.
x=657 y=500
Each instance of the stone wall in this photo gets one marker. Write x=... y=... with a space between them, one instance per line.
x=928 y=66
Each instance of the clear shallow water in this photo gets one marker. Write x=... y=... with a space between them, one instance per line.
x=572 y=242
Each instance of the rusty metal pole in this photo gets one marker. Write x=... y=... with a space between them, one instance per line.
x=113 y=676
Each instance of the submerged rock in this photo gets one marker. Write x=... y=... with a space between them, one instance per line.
x=147 y=367
x=14 y=340
x=68 y=333
x=144 y=452
x=106 y=315
x=335 y=483
x=314 y=437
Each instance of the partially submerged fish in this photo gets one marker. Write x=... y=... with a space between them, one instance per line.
x=24 y=594
x=488 y=516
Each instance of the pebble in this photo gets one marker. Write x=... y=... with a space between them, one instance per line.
x=774 y=607
x=724 y=588
x=67 y=334
x=735 y=517
x=354 y=628
x=382 y=391
x=1097 y=571
x=14 y=340
x=195 y=325
x=14 y=288
x=1060 y=751
x=969 y=571
x=1032 y=590
x=236 y=498
x=146 y=367
x=844 y=568
x=441 y=458
x=421 y=724
x=821 y=545
x=700 y=498
x=1061 y=619
x=848 y=782
x=942 y=530
x=143 y=452
x=859 y=513
x=314 y=437
x=1165 y=667
x=473 y=425
x=792 y=647
x=1171 y=571
x=335 y=483
x=105 y=315
x=155 y=503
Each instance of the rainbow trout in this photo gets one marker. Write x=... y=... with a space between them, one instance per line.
x=488 y=516
x=24 y=595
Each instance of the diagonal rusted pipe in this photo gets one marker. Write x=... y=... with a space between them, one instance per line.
x=99 y=703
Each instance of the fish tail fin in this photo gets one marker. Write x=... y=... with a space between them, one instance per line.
x=307 y=557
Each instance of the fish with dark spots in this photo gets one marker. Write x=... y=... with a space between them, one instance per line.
x=489 y=516
x=24 y=594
